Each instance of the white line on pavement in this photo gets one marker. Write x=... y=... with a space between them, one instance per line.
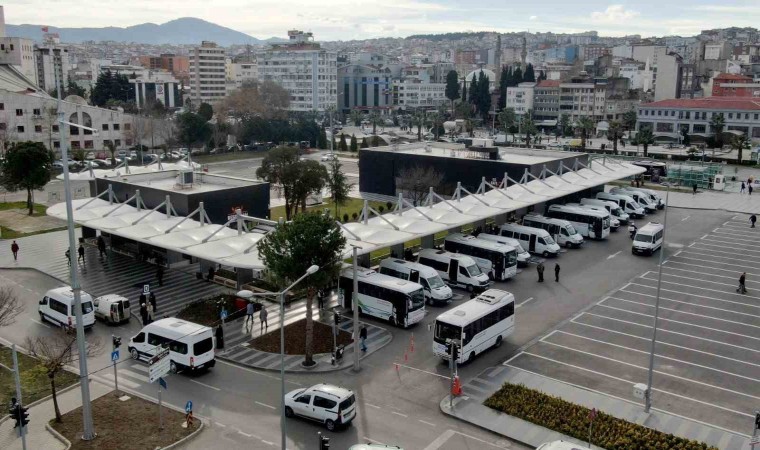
x=40 y=323
x=265 y=405
x=269 y=443
x=688 y=303
x=706 y=289
x=257 y=372
x=206 y=385
x=727 y=247
x=372 y=406
x=733 y=271
x=614 y=254
x=685 y=218
x=704 y=236
x=722 y=241
x=399 y=414
x=524 y=302
x=713 y=256
x=426 y=423
x=372 y=440
x=219 y=424
x=684 y=312
x=245 y=434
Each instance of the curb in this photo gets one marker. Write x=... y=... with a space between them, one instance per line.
x=58 y=436
x=187 y=438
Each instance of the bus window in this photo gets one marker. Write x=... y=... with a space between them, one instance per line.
x=416 y=300
x=473 y=270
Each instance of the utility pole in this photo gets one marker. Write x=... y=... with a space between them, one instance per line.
x=355 y=306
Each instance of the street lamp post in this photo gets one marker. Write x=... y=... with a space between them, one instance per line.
x=648 y=393
x=355 y=305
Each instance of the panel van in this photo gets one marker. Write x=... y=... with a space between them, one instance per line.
x=626 y=202
x=57 y=307
x=648 y=239
x=191 y=346
x=454 y=268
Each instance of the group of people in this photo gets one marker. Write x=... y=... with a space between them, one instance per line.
x=540 y=270
x=250 y=310
x=747 y=186
x=148 y=307
x=80 y=252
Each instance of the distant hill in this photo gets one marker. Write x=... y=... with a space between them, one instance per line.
x=186 y=30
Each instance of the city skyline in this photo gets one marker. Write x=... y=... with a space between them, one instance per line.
x=347 y=20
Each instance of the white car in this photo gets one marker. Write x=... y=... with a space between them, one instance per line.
x=325 y=403
x=329 y=157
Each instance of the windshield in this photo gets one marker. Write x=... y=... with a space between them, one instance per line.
x=445 y=331
x=633 y=207
x=473 y=270
x=435 y=282
x=512 y=258
x=86 y=307
x=617 y=211
x=548 y=240
x=416 y=300
x=570 y=230
x=643 y=238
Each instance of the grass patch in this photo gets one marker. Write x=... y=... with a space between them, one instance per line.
x=35 y=383
x=8 y=233
x=231 y=156
x=573 y=420
x=351 y=206
x=295 y=339
x=39 y=210
x=131 y=424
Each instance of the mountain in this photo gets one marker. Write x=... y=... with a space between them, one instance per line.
x=186 y=30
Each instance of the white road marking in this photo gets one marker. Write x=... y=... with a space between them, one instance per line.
x=426 y=423
x=244 y=434
x=704 y=236
x=40 y=323
x=515 y=356
x=372 y=440
x=269 y=443
x=372 y=406
x=689 y=303
x=399 y=414
x=723 y=241
x=705 y=289
x=257 y=372
x=727 y=247
x=135 y=375
x=685 y=218
x=524 y=302
x=265 y=405
x=206 y=385
x=713 y=257
x=614 y=254
x=687 y=313
x=711 y=268
x=219 y=424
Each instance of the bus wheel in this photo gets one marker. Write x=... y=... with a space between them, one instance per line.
x=497 y=344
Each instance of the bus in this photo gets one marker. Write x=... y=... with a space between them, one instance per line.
x=400 y=302
x=588 y=222
x=476 y=325
x=499 y=261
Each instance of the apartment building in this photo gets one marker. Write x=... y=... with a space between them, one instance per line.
x=731 y=85
x=546 y=101
x=52 y=62
x=521 y=98
x=367 y=84
x=577 y=99
x=207 y=73
x=19 y=52
x=409 y=93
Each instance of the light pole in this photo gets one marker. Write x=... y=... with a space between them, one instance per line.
x=355 y=305
x=648 y=393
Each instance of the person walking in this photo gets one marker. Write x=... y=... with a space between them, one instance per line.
x=150 y=312
x=363 y=337
x=101 y=246
x=321 y=300
x=80 y=250
x=694 y=189
x=749 y=189
x=153 y=302
x=742 y=289
x=263 y=319
x=249 y=310
x=752 y=220
x=14 y=250
x=219 y=337
x=68 y=256
x=540 y=270
x=160 y=274
x=743 y=188
x=556 y=272
x=144 y=313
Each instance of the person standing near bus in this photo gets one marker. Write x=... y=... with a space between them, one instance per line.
x=540 y=270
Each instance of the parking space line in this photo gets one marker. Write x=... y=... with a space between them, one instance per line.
x=660 y=372
x=711 y=268
x=40 y=323
x=372 y=406
x=722 y=246
x=724 y=240
x=705 y=289
x=691 y=295
x=372 y=440
x=686 y=303
x=732 y=233
x=426 y=423
x=524 y=302
x=658 y=355
x=697 y=279
x=713 y=256
x=515 y=356
x=665 y=330
x=399 y=414
x=684 y=312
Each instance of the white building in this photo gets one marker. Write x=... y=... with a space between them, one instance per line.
x=156 y=85
x=19 y=52
x=582 y=100
x=303 y=68
x=240 y=72
x=52 y=61
x=639 y=74
x=520 y=98
x=412 y=93
x=207 y=73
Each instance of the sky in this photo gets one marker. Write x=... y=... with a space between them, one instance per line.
x=331 y=20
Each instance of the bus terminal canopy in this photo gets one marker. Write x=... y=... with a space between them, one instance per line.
x=224 y=245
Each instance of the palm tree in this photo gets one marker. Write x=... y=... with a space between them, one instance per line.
x=507 y=120
x=629 y=121
x=644 y=137
x=615 y=133
x=740 y=143
x=375 y=119
x=418 y=119
x=585 y=126
x=717 y=124
x=528 y=127
x=355 y=117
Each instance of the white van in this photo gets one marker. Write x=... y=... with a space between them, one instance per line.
x=57 y=307
x=562 y=231
x=612 y=207
x=523 y=257
x=499 y=261
x=112 y=308
x=435 y=289
x=614 y=222
x=625 y=201
x=191 y=346
x=648 y=239
x=653 y=196
x=641 y=197
x=454 y=268
x=536 y=240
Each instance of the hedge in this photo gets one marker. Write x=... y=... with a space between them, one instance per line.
x=572 y=420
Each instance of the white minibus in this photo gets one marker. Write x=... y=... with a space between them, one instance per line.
x=455 y=269
x=614 y=222
x=497 y=260
x=626 y=202
x=654 y=196
x=400 y=302
x=641 y=197
x=476 y=325
x=57 y=307
x=191 y=346
x=648 y=239
x=612 y=207
x=536 y=240
x=562 y=231
x=523 y=257
x=589 y=223
x=436 y=290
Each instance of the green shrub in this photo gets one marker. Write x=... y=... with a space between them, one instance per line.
x=568 y=418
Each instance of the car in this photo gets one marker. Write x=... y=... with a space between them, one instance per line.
x=328 y=404
x=328 y=157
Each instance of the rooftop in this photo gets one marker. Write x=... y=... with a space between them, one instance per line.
x=548 y=83
x=717 y=103
x=731 y=76
x=169 y=181
x=509 y=155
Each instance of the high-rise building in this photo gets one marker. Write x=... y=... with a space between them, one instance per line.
x=207 y=73
x=302 y=67
x=52 y=61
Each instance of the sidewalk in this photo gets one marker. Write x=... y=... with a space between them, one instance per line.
x=469 y=407
x=713 y=200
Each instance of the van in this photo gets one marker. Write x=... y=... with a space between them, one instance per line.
x=614 y=222
x=57 y=307
x=626 y=202
x=562 y=231
x=456 y=269
x=435 y=289
x=499 y=261
x=535 y=240
x=648 y=239
x=654 y=196
x=191 y=346
x=112 y=308
x=612 y=207
x=641 y=197
x=523 y=257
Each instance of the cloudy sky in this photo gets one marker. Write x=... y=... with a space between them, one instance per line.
x=360 y=19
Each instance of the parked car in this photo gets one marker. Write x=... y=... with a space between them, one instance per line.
x=328 y=157
x=330 y=405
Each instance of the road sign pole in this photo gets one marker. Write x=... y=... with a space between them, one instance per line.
x=115 y=378
x=160 y=416
x=22 y=430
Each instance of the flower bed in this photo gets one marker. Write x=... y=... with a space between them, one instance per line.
x=295 y=338
x=573 y=420
x=206 y=311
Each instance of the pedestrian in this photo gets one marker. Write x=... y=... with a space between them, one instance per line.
x=143 y=298
x=14 y=249
x=68 y=256
x=749 y=189
x=101 y=246
x=249 y=310
x=81 y=253
x=743 y=188
x=150 y=312
x=144 y=313
x=160 y=274
x=320 y=300
x=742 y=279
x=219 y=337
x=153 y=302
x=694 y=189
x=363 y=337
x=752 y=220
x=540 y=269
x=263 y=319
x=556 y=272
x=632 y=229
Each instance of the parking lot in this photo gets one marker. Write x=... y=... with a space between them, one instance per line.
x=707 y=363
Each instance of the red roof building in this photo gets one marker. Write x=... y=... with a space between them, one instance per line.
x=730 y=85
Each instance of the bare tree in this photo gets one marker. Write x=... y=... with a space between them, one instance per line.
x=10 y=306
x=415 y=182
x=265 y=99
x=56 y=352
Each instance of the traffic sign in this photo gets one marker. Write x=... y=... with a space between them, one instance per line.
x=115 y=355
x=146 y=289
x=189 y=406
x=159 y=366
x=162 y=383
x=224 y=314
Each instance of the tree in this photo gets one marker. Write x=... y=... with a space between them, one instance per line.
x=614 y=134
x=629 y=121
x=355 y=117
x=322 y=140
x=305 y=178
x=503 y=84
x=26 y=166
x=717 y=124
x=740 y=143
x=354 y=146
x=517 y=76
x=364 y=143
x=375 y=120
x=452 y=87
x=205 y=111
x=10 y=306
x=376 y=141
x=110 y=87
x=464 y=94
x=415 y=182
x=530 y=74
x=342 y=145
x=192 y=129
x=474 y=90
x=529 y=127
x=78 y=155
x=111 y=149
x=564 y=125
x=507 y=119
x=685 y=138
x=56 y=351
x=293 y=247
x=418 y=119
x=484 y=96
x=585 y=126
x=274 y=170
x=263 y=99
x=644 y=137
x=338 y=184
